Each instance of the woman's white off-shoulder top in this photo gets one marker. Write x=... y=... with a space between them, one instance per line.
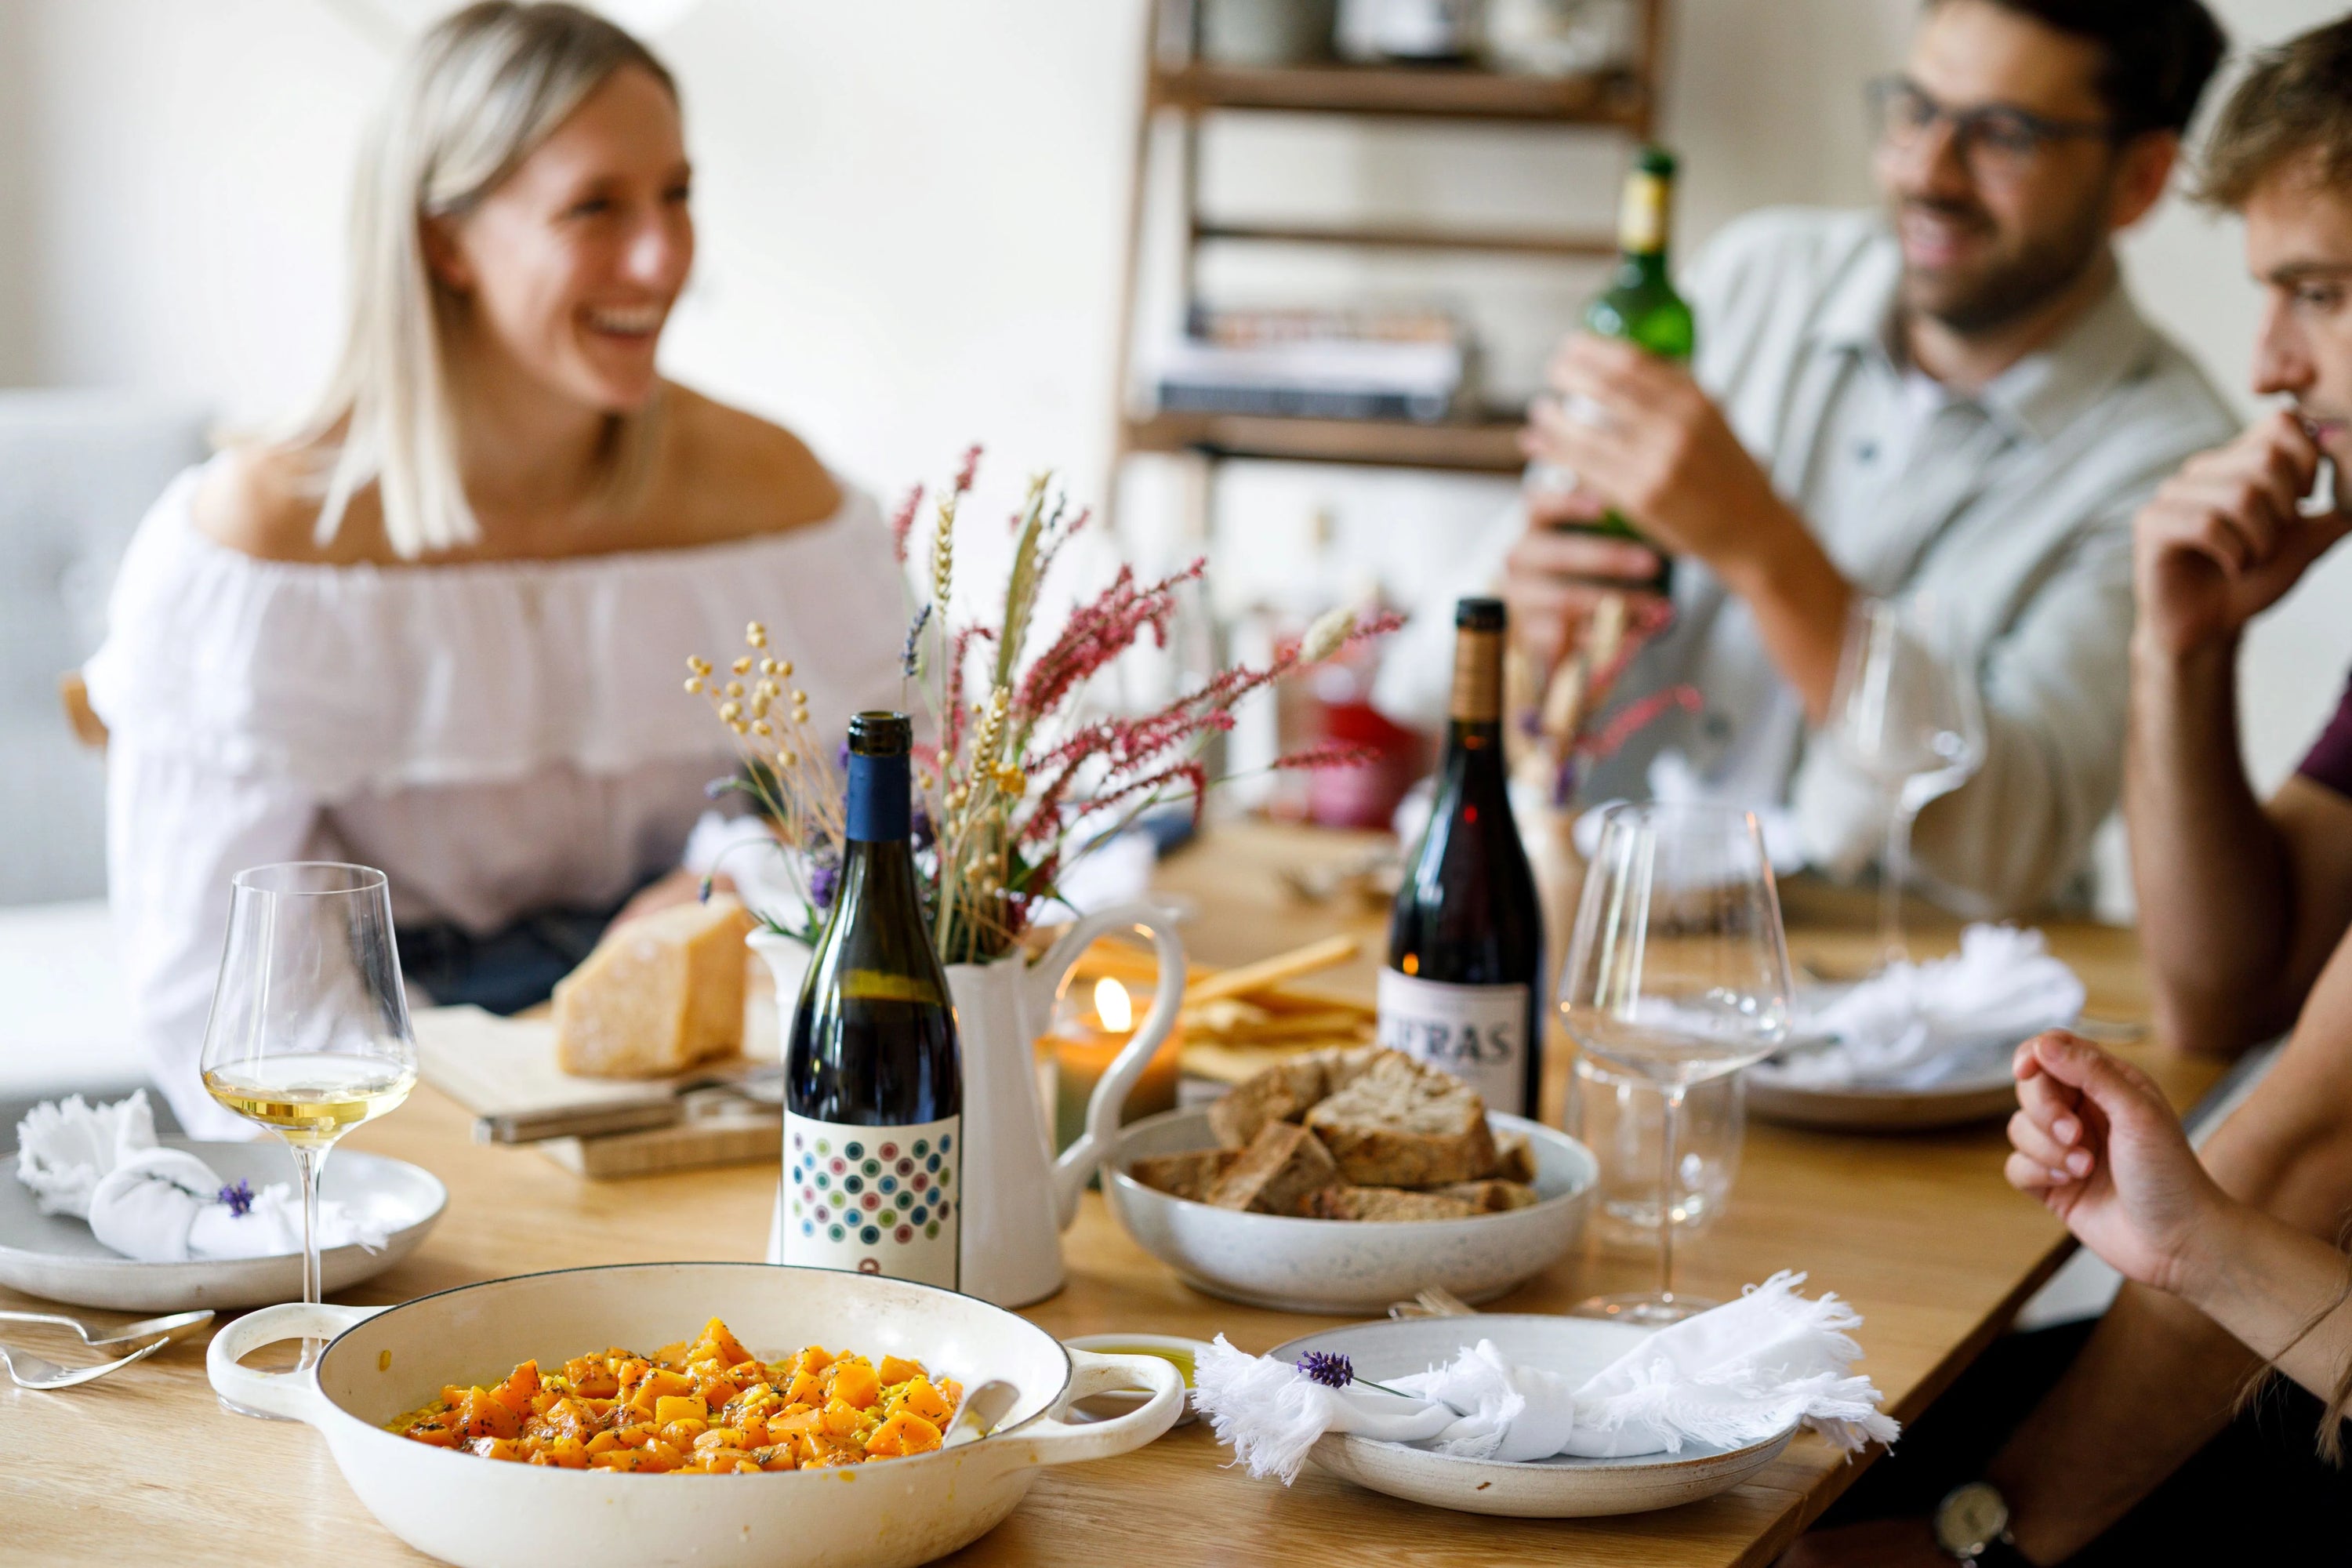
x=498 y=738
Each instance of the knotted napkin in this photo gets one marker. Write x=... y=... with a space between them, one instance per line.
x=158 y=1205
x=1913 y=1026
x=1734 y=1375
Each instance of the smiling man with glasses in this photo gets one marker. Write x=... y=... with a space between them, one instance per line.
x=1955 y=396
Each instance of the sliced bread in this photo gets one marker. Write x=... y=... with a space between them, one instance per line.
x=1281 y=1093
x=1515 y=1159
x=1490 y=1197
x=1282 y=1166
x=1188 y=1176
x=1404 y=1125
x=1385 y=1204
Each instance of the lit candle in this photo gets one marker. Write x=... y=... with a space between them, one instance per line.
x=1084 y=1044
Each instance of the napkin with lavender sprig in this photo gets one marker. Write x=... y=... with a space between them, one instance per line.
x=160 y=1205
x=1734 y=1375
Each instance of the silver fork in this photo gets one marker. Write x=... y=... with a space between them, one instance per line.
x=29 y=1371
x=178 y=1326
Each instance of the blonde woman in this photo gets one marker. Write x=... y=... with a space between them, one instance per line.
x=441 y=626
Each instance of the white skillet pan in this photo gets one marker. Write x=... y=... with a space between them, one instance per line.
x=484 y=1513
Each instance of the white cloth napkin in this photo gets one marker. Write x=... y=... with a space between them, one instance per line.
x=102 y=1164
x=1736 y=1374
x=1915 y=1024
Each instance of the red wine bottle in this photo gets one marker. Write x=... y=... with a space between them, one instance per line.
x=1464 y=985
x=873 y=1088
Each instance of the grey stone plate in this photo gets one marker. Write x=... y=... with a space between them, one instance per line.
x=1561 y=1488
x=57 y=1258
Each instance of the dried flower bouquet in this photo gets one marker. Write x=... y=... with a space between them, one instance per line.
x=1017 y=782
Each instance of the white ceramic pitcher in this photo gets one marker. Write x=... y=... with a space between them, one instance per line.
x=1017 y=1197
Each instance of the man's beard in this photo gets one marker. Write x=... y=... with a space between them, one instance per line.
x=2017 y=283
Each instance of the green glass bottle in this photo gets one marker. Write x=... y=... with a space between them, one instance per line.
x=1640 y=305
x=873 y=1081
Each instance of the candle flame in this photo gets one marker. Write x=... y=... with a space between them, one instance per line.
x=1113 y=1005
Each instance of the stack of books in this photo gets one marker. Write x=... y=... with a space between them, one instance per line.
x=1324 y=364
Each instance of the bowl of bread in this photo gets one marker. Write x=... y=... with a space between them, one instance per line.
x=1342 y=1180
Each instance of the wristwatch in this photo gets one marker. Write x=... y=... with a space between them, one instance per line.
x=1971 y=1525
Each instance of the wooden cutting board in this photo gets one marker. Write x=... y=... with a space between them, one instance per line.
x=505 y=1068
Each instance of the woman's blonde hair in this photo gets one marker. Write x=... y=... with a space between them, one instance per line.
x=482 y=89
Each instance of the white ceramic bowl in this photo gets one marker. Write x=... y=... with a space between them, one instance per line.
x=1558 y=1488
x=57 y=1257
x=481 y=1513
x=1345 y=1267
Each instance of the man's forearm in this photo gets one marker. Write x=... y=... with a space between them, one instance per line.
x=2209 y=868
x=1799 y=600
x=2154 y=1383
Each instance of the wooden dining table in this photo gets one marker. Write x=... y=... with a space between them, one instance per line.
x=1919 y=1232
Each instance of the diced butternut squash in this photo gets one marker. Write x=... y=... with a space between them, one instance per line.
x=924 y=1400
x=672 y=1407
x=485 y=1415
x=855 y=1385
x=708 y=1406
x=904 y=1433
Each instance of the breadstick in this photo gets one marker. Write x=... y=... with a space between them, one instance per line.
x=1268 y=972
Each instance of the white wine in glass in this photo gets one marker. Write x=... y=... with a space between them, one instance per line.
x=1678 y=972
x=309 y=1034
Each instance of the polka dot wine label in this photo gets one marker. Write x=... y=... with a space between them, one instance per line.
x=878 y=1200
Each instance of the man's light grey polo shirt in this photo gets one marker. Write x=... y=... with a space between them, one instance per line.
x=2013 y=506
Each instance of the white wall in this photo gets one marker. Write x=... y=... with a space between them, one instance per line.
x=912 y=216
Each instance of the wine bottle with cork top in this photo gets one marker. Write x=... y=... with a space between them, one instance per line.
x=1463 y=988
x=1641 y=307
x=873 y=1087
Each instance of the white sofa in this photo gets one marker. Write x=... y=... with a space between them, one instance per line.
x=78 y=471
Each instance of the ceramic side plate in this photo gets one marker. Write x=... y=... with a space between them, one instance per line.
x=1859 y=1109
x=1546 y=1489
x=57 y=1258
x=1337 y=1266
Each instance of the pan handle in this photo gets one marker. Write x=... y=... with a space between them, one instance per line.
x=1057 y=1442
x=290 y=1395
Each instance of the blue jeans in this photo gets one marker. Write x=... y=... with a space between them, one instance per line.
x=507 y=971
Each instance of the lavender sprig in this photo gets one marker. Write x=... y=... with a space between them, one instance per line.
x=1333 y=1370
x=239 y=1198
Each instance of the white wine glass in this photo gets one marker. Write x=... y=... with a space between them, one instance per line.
x=1678 y=972
x=309 y=1034
x=1907 y=713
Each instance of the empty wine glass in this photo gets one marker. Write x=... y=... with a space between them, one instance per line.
x=1678 y=972
x=309 y=1034
x=1905 y=712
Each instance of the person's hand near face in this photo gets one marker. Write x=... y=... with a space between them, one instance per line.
x=2225 y=538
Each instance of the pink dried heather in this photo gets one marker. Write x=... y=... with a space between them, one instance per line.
x=902 y=523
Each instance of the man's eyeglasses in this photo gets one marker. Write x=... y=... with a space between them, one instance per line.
x=1995 y=140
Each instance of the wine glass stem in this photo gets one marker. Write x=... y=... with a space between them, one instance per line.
x=1894 y=870
x=307 y=1160
x=1670 y=1145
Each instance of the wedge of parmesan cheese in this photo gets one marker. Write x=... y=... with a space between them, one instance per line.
x=657 y=995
